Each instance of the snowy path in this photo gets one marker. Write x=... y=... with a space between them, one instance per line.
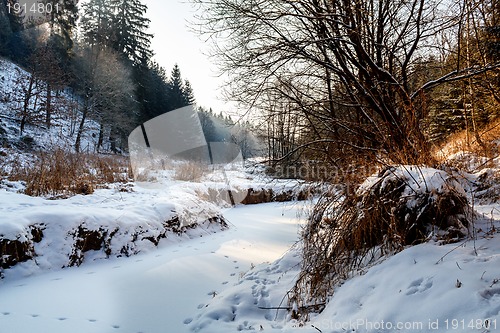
x=155 y=292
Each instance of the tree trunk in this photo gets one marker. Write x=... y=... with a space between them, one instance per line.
x=100 y=140
x=27 y=98
x=48 y=106
x=80 y=129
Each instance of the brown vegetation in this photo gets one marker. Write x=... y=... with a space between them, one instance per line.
x=345 y=234
x=60 y=174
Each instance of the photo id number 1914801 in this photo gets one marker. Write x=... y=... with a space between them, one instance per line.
x=33 y=9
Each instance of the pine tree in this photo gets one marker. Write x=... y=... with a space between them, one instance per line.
x=177 y=90
x=188 y=94
x=207 y=124
x=96 y=23
x=153 y=93
x=63 y=18
x=129 y=30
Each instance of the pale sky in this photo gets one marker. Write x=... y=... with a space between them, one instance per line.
x=173 y=43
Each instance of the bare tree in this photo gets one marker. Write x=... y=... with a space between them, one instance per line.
x=107 y=91
x=347 y=65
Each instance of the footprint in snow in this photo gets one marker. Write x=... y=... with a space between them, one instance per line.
x=225 y=282
x=232 y=274
x=419 y=286
x=188 y=321
x=6 y=313
x=62 y=318
x=35 y=316
x=116 y=326
x=201 y=306
x=92 y=320
x=235 y=261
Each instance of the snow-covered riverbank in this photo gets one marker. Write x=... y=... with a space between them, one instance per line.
x=162 y=291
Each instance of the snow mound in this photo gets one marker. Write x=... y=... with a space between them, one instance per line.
x=425 y=288
x=39 y=234
x=417 y=200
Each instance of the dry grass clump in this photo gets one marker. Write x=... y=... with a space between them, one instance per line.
x=61 y=174
x=487 y=145
x=190 y=171
x=348 y=231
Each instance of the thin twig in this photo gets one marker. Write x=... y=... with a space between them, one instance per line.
x=460 y=245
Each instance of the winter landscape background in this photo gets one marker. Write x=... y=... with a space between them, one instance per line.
x=353 y=187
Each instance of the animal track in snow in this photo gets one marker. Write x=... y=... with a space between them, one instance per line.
x=419 y=286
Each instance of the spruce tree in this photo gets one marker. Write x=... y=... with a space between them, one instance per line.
x=177 y=90
x=129 y=30
x=96 y=23
x=188 y=94
x=63 y=18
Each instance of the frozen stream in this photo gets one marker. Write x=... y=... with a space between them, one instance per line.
x=155 y=292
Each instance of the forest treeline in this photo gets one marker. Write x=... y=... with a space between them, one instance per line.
x=359 y=82
x=100 y=50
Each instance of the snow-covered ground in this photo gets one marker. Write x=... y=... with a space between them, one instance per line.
x=163 y=291
x=223 y=282
x=65 y=118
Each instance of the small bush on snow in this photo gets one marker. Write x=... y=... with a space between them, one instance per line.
x=400 y=206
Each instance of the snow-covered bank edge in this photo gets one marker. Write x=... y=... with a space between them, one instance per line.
x=37 y=234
